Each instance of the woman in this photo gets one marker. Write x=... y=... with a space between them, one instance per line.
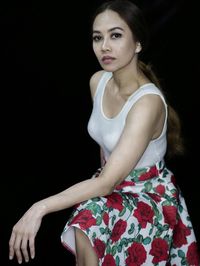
x=130 y=212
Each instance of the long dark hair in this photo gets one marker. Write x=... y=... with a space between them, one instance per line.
x=134 y=18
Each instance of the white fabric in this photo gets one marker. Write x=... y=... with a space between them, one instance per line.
x=107 y=131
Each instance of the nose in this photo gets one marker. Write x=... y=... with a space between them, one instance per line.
x=106 y=46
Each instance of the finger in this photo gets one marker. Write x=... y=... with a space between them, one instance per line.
x=11 y=244
x=17 y=248
x=24 y=248
x=32 y=246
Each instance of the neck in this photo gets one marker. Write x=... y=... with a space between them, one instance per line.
x=128 y=79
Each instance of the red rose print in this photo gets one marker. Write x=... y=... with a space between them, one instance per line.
x=109 y=261
x=180 y=233
x=135 y=195
x=84 y=219
x=144 y=213
x=118 y=230
x=115 y=201
x=155 y=197
x=136 y=255
x=125 y=184
x=159 y=249
x=193 y=255
x=153 y=171
x=106 y=218
x=169 y=213
x=99 y=247
x=160 y=189
x=173 y=180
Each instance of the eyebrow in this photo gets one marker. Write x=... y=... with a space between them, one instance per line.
x=110 y=30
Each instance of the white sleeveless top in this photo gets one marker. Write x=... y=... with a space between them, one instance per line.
x=107 y=131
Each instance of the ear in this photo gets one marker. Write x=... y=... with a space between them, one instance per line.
x=138 y=47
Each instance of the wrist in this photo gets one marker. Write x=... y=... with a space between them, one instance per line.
x=41 y=208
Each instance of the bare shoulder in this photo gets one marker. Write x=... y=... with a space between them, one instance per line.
x=151 y=101
x=94 y=80
x=149 y=105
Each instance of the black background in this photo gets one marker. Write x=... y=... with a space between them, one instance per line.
x=46 y=61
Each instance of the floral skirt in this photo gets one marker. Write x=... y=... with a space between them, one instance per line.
x=143 y=222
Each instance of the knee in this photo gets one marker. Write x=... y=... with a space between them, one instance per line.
x=80 y=246
x=85 y=253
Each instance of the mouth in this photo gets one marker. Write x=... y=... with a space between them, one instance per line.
x=107 y=59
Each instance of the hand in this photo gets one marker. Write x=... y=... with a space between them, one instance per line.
x=23 y=234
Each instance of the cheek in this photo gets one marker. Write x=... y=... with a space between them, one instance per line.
x=126 y=49
x=95 y=50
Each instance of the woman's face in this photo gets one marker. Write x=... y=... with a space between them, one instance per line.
x=113 y=42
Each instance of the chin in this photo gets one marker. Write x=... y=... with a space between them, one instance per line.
x=109 y=68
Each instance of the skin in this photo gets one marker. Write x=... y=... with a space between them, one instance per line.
x=111 y=37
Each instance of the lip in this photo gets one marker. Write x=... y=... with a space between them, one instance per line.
x=107 y=59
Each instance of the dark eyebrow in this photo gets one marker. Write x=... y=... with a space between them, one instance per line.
x=110 y=30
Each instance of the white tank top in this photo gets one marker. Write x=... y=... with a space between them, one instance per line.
x=107 y=131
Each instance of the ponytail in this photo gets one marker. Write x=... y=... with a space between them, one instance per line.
x=174 y=138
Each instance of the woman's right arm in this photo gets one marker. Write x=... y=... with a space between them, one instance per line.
x=25 y=230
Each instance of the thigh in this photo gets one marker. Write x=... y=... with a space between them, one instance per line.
x=86 y=254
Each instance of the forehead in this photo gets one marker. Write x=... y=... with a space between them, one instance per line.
x=107 y=20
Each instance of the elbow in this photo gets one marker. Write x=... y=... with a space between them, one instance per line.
x=108 y=189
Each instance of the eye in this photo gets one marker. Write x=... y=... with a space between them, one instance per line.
x=96 y=38
x=116 y=35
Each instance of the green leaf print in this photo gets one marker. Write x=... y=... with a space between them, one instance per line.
x=160 y=164
x=124 y=242
x=155 y=209
x=131 y=230
x=188 y=219
x=122 y=212
x=96 y=199
x=108 y=231
x=147 y=197
x=169 y=198
x=173 y=191
x=117 y=260
x=167 y=238
x=151 y=230
x=139 y=239
x=113 y=219
x=95 y=208
x=180 y=207
x=108 y=249
x=94 y=235
x=114 y=250
x=146 y=240
x=158 y=233
x=99 y=220
x=166 y=203
x=148 y=186
x=105 y=208
x=165 y=172
x=130 y=207
x=102 y=230
x=119 y=248
x=136 y=173
x=166 y=227
x=130 y=240
x=156 y=221
x=159 y=216
x=181 y=254
x=184 y=262
x=174 y=201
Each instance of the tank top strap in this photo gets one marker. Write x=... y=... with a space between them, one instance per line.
x=102 y=84
x=145 y=89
